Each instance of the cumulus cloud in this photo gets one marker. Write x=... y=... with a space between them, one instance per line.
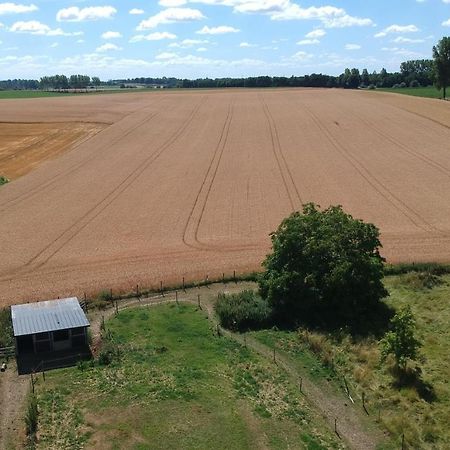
x=352 y=47
x=187 y=43
x=136 y=11
x=14 y=8
x=404 y=40
x=36 y=27
x=247 y=45
x=397 y=29
x=446 y=23
x=171 y=15
x=158 y=36
x=76 y=14
x=223 y=29
x=308 y=42
x=107 y=47
x=111 y=35
x=315 y=34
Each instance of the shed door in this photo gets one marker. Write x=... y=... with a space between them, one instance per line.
x=61 y=340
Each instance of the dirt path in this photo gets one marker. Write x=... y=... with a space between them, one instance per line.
x=13 y=391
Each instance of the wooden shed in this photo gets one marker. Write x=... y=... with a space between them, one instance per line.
x=49 y=326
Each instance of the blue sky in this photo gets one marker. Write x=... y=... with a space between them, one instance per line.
x=215 y=38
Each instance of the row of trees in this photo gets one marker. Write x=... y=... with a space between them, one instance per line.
x=72 y=82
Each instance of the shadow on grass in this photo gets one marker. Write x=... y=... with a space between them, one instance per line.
x=412 y=378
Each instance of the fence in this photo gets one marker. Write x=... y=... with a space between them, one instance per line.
x=6 y=352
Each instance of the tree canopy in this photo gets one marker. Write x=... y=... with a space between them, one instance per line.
x=441 y=55
x=325 y=268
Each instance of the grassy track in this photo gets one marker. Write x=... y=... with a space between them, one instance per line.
x=429 y=92
x=176 y=385
x=420 y=410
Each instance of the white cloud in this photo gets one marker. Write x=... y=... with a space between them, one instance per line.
x=76 y=14
x=308 y=42
x=247 y=45
x=352 y=46
x=107 y=47
x=166 y=55
x=187 y=43
x=397 y=29
x=202 y=49
x=301 y=56
x=36 y=27
x=446 y=23
x=172 y=3
x=158 y=36
x=171 y=15
x=13 y=8
x=54 y=45
x=403 y=40
x=136 y=11
x=315 y=34
x=111 y=35
x=223 y=29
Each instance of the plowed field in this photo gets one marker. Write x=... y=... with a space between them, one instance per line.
x=191 y=183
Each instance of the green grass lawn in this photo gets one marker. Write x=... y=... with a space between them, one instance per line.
x=176 y=384
x=421 y=411
x=430 y=91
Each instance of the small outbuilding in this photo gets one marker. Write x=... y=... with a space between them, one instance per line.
x=49 y=326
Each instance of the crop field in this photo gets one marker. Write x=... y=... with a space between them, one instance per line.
x=191 y=183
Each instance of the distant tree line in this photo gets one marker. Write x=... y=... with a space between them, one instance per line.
x=412 y=73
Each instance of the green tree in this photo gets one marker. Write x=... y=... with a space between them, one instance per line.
x=441 y=55
x=400 y=341
x=325 y=268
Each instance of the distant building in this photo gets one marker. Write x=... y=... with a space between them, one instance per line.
x=49 y=326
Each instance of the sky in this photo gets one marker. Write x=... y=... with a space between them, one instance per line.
x=215 y=38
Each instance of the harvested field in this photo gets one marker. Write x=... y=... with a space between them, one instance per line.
x=191 y=183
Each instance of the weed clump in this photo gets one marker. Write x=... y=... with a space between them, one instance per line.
x=243 y=311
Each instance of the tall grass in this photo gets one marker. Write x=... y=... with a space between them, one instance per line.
x=242 y=311
x=6 y=331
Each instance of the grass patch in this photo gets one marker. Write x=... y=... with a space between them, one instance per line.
x=17 y=94
x=173 y=383
x=419 y=408
x=429 y=91
x=6 y=330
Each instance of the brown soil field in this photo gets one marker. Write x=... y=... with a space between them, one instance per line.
x=191 y=183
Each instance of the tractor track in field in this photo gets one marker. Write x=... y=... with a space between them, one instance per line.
x=286 y=174
x=46 y=184
x=190 y=232
x=51 y=249
x=413 y=216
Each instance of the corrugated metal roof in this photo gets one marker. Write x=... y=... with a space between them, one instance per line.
x=50 y=315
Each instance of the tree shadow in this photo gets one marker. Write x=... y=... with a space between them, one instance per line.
x=412 y=378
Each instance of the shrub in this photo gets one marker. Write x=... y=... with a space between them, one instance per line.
x=242 y=311
x=6 y=332
x=105 y=296
x=31 y=417
x=3 y=180
x=402 y=85
x=421 y=280
x=371 y=86
x=414 y=84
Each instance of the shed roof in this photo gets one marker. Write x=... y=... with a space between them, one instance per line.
x=50 y=315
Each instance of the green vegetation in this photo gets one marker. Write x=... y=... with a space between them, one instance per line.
x=417 y=406
x=242 y=311
x=31 y=420
x=400 y=341
x=429 y=91
x=325 y=269
x=38 y=93
x=6 y=332
x=441 y=56
x=173 y=383
x=3 y=180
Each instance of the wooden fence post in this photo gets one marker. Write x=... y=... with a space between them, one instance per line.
x=301 y=385
x=184 y=286
x=234 y=276
x=176 y=296
x=198 y=299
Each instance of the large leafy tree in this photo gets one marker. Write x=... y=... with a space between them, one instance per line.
x=441 y=55
x=325 y=268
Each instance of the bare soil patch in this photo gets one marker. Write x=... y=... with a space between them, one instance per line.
x=191 y=183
